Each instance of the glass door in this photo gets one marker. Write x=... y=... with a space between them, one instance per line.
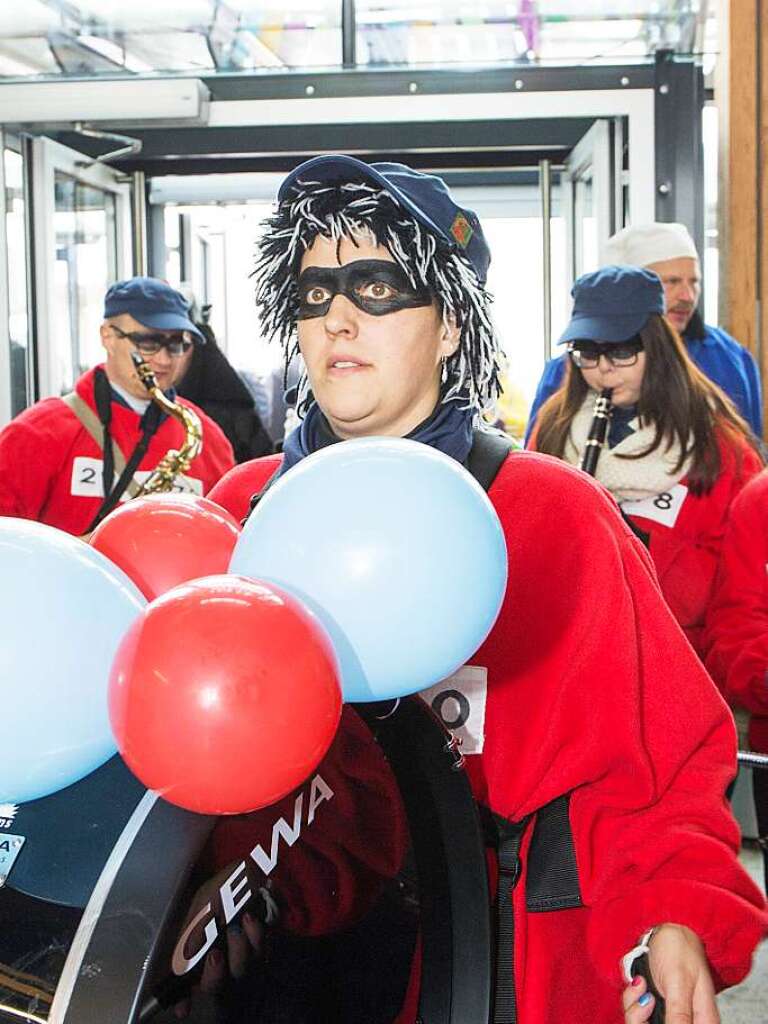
x=81 y=245
x=592 y=194
x=512 y=219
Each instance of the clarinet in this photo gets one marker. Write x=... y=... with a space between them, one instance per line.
x=597 y=432
x=595 y=442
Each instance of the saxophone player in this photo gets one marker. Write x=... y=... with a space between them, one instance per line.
x=68 y=461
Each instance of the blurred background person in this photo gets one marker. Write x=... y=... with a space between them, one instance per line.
x=676 y=452
x=208 y=379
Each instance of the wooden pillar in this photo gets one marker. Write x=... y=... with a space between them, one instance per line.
x=742 y=97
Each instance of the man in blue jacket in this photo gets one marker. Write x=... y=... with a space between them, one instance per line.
x=668 y=250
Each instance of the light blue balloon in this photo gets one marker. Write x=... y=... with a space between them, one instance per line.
x=64 y=608
x=398 y=551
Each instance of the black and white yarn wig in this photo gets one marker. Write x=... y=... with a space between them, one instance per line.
x=348 y=209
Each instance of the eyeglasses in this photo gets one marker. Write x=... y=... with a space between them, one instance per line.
x=586 y=355
x=176 y=342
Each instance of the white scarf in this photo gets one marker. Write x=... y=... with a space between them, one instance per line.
x=626 y=479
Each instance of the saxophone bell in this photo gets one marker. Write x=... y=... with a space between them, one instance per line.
x=176 y=460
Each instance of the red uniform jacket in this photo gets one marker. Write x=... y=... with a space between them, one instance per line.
x=737 y=624
x=50 y=466
x=593 y=691
x=686 y=553
x=685 y=538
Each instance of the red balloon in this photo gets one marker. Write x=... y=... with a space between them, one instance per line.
x=224 y=695
x=165 y=539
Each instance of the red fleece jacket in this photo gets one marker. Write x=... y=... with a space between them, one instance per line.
x=594 y=691
x=686 y=554
x=685 y=541
x=737 y=625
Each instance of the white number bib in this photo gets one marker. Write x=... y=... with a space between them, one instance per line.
x=459 y=702
x=87 y=480
x=662 y=508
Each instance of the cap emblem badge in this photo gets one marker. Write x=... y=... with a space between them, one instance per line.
x=461 y=230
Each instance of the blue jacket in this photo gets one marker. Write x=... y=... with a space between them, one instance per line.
x=716 y=354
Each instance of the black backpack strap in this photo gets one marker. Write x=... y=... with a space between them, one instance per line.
x=506 y=838
x=256 y=498
x=486 y=457
x=552 y=879
x=552 y=883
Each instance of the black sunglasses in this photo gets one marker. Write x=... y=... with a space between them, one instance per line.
x=586 y=354
x=148 y=344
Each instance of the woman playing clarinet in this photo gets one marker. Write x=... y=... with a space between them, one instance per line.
x=672 y=451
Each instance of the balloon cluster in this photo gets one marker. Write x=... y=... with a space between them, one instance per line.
x=372 y=570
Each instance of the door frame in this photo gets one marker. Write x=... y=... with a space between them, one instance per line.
x=5 y=285
x=593 y=158
x=48 y=157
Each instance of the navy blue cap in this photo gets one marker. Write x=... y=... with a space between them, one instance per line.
x=152 y=302
x=613 y=304
x=425 y=196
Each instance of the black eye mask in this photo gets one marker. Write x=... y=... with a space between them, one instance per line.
x=357 y=282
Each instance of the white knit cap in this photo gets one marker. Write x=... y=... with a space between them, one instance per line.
x=639 y=245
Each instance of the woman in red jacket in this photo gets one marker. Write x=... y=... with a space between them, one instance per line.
x=377 y=275
x=676 y=451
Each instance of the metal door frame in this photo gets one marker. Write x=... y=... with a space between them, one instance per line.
x=594 y=158
x=48 y=157
x=5 y=285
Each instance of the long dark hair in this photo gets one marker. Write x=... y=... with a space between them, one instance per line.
x=683 y=406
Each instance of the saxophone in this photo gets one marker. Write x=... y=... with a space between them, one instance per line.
x=175 y=460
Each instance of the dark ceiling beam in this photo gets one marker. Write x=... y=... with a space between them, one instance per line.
x=469 y=164
x=170 y=145
x=398 y=82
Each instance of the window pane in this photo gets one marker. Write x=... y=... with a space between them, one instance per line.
x=404 y=42
x=711 y=266
x=103 y=36
x=85 y=266
x=512 y=223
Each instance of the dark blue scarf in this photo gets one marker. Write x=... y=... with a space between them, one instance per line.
x=619 y=427
x=448 y=428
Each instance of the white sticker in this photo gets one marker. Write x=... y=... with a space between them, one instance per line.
x=459 y=702
x=87 y=480
x=662 y=508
